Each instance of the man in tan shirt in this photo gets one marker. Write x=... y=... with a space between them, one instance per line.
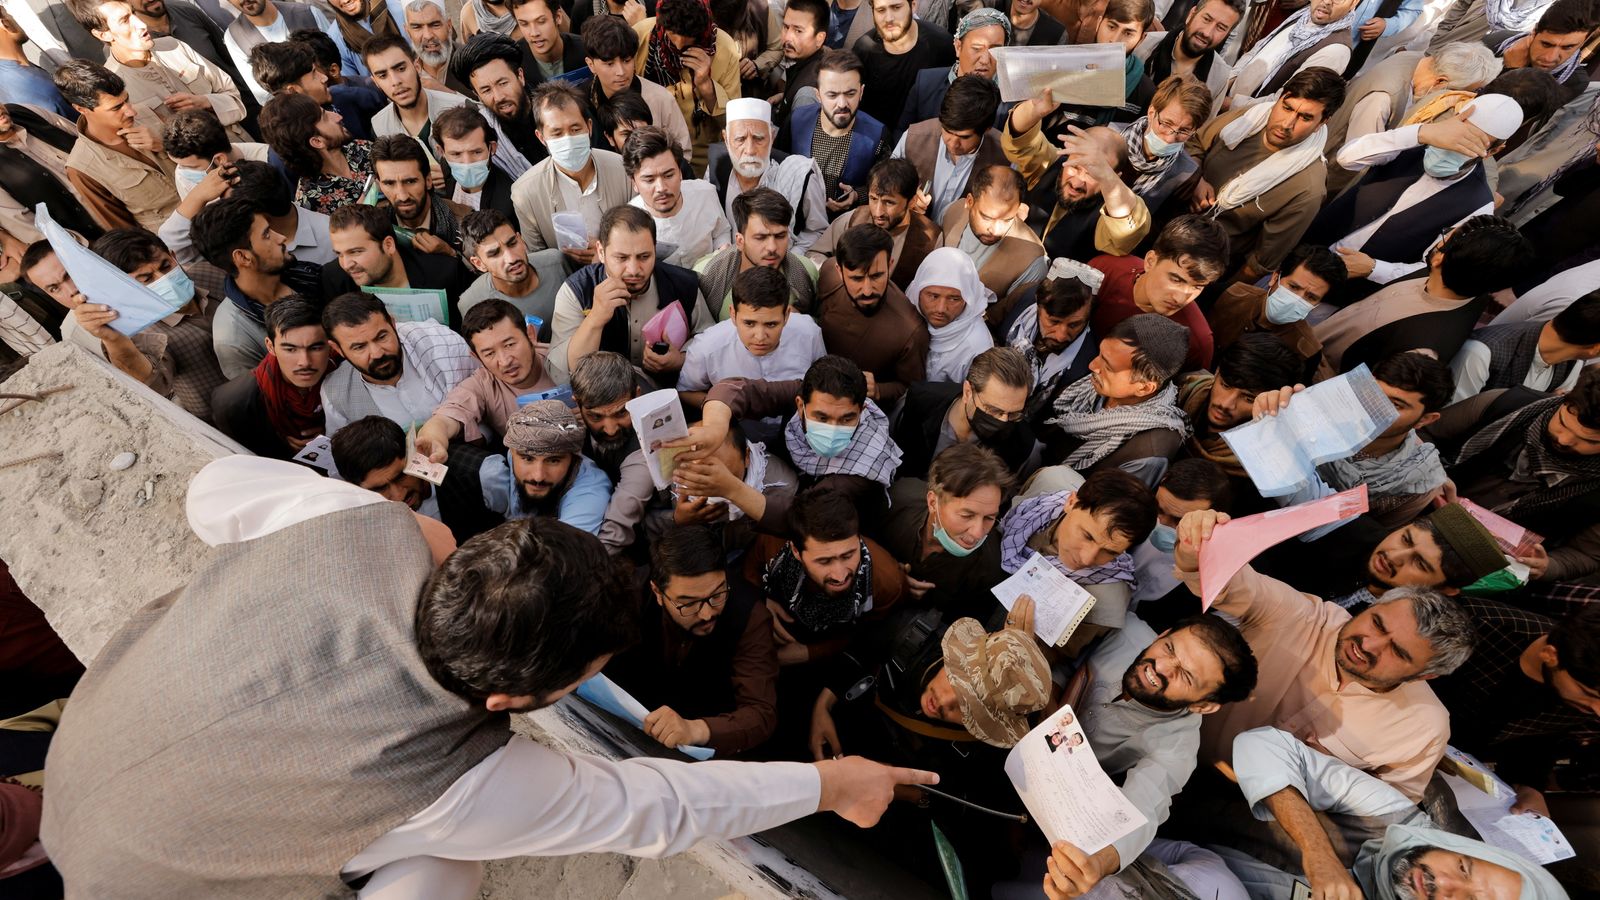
x=1349 y=687
x=117 y=166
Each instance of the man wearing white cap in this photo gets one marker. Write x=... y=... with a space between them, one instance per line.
x=1423 y=181
x=745 y=161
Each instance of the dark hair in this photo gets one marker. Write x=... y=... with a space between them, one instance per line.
x=322 y=47
x=687 y=550
x=763 y=202
x=368 y=443
x=484 y=48
x=603 y=378
x=623 y=106
x=291 y=312
x=970 y=104
x=1417 y=373
x=1319 y=261
x=525 y=608
x=1139 y=12
x=551 y=6
x=128 y=248
x=35 y=255
x=195 y=132
x=1239 y=672
x=965 y=466
x=1320 y=85
x=1062 y=297
x=261 y=185
x=556 y=95
x=896 y=176
x=87 y=14
x=1003 y=182
x=625 y=216
x=479 y=224
x=1579 y=323
x=835 y=375
x=457 y=122
x=1007 y=364
x=486 y=314
x=399 y=148
x=609 y=37
x=383 y=42
x=841 y=61
x=1563 y=17
x=860 y=245
x=1535 y=91
x=1257 y=362
x=221 y=228
x=645 y=143
x=288 y=123
x=818 y=11
x=1584 y=398
x=822 y=513
x=1576 y=639
x=1145 y=367
x=376 y=221
x=81 y=82
x=759 y=287
x=278 y=64
x=1484 y=255
x=352 y=309
x=686 y=17
x=1123 y=499
x=1452 y=565
x=1199 y=479
x=1197 y=244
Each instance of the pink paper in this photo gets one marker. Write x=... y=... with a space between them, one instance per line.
x=670 y=325
x=1235 y=543
x=1512 y=538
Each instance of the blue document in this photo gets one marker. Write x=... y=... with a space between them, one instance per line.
x=606 y=694
x=137 y=306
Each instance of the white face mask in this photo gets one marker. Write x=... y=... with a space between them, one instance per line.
x=1285 y=307
x=187 y=180
x=571 y=152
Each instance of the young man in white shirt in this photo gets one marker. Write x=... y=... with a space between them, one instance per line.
x=689 y=221
x=764 y=338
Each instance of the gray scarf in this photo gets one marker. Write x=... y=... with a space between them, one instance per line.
x=1149 y=169
x=1393 y=479
x=505 y=23
x=1082 y=414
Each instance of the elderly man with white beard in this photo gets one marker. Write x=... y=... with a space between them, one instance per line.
x=433 y=35
x=745 y=161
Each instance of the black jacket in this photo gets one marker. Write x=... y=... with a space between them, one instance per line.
x=423 y=270
x=916 y=430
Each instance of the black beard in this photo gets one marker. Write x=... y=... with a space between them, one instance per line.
x=608 y=453
x=1133 y=685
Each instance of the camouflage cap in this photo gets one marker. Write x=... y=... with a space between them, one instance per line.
x=545 y=427
x=998 y=679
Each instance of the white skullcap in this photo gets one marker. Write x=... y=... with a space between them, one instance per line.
x=746 y=109
x=1496 y=115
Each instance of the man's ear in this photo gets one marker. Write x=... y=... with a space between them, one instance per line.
x=1147 y=388
x=1150 y=259
x=388 y=246
x=477 y=263
x=242 y=258
x=333 y=348
x=1205 y=707
x=1022 y=212
x=1426 y=420
x=268 y=342
x=800 y=408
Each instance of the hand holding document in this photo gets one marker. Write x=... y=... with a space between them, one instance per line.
x=1237 y=541
x=606 y=694
x=1058 y=778
x=1084 y=74
x=419 y=465
x=1059 y=604
x=137 y=306
x=1486 y=801
x=1325 y=422
x=658 y=418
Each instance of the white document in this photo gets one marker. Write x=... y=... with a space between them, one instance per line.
x=318 y=453
x=1060 y=781
x=1058 y=603
x=606 y=694
x=137 y=306
x=1325 y=422
x=1486 y=802
x=1083 y=74
x=658 y=418
x=572 y=232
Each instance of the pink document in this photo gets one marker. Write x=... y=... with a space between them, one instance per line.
x=1238 y=541
x=1512 y=538
x=670 y=325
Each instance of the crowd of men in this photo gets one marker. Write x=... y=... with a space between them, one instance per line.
x=920 y=334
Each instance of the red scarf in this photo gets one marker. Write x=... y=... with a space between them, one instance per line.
x=292 y=411
x=664 y=62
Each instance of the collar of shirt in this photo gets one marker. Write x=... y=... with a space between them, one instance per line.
x=202 y=301
x=594 y=183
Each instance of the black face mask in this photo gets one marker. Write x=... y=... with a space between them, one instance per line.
x=989 y=429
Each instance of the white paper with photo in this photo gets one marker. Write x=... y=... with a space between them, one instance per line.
x=1529 y=834
x=609 y=696
x=1327 y=421
x=1059 y=604
x=1083 y=74
x=318 y=453
x=658 y=418
x=1058 y=778
x=99 y=281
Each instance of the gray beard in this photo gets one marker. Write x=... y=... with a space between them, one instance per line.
x=440 y=58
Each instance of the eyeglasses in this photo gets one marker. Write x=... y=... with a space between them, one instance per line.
x=691 y=606
x=1182 y=134
x=998 y=414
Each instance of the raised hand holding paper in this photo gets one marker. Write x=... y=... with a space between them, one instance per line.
x=1326 y=421
x=1486 y=801
x=1058 y=778
x=137 y=306
x=1237 y=541
x=658 y=418
x=1059 y=604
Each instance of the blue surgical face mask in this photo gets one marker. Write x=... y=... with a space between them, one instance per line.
x=1443 y=163
x=188 y=179
x=950 y=544
x=1164 y=538
x=828 y=440
x=470 y=175
x=571 y=152
x=174 y=287
x=1157 y=147
x=1285 y=307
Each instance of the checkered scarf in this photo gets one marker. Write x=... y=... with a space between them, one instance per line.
x=1149 y=169
x=1034 y=513
x=664 y=62
x=1082 y=413
x=871 y=453
x=816 y=613
x=1542 y=463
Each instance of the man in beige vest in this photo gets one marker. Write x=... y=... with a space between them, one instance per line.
x=307 y=713
x=117 y=166
x=991 y=225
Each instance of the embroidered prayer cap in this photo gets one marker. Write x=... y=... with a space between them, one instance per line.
x=982 y=17
x=998 y=679
x=1091 y=277
x=1496 y=115
x=748 y=109
x=545 y=427
x=1163 y=341
x=1468 y=538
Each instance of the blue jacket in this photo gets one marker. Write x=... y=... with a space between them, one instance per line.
x=583 y=505
x=865 y=140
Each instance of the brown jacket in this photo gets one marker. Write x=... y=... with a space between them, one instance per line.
x=1242 y=309
x=1001 y=271
x=912 y=246
x=892 y=343
x=123 y=190
x=924 y=144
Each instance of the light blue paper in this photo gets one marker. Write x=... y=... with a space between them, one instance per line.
x=603 y=692
x=99 y=281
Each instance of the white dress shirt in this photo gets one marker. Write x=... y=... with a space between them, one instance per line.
x=1543 y=302
x=950 y=175
x=1471 y=371
x=718 y=353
